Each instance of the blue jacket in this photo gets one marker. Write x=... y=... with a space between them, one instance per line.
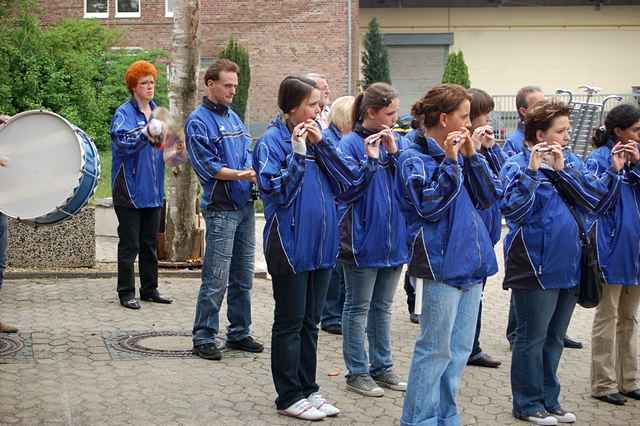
x=515 y=142
x=299 y=192
x=137 y=169
x=447 y=238
x=542 y=248
x=491 y=216
x=217 y=138
x=373 y=230
x=618 y=227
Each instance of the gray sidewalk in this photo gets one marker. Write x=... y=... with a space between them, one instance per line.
x=71 y=366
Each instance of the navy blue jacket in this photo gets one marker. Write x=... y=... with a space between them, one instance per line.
x=515 y=142
x=618 y=227
x=373 y=230
x=217 y=138
x=137 y=169
x=448 y=240
x=299 y=192
x=542 y=248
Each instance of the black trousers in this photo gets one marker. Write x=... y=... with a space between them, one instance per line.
x=299 y=299
x=137 y=231
x=411 y=293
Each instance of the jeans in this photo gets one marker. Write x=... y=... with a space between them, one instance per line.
x=476 y=350
x=333 y=305
x=4 y=231
x=440 y=354
x=511 y=324
x=368 y=306
x=228 y=262
x=543 y=317
x=137 y=233
x=294 y=336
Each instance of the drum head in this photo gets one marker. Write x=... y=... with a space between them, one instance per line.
x=44 y=163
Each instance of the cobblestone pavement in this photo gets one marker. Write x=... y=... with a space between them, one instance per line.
x=71 y=367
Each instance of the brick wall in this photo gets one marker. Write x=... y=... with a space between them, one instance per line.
x=283 y=37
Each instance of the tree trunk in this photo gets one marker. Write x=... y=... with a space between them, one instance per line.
x=181 y=232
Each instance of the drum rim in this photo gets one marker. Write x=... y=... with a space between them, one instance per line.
x=74 y=129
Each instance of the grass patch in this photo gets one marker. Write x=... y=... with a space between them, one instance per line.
x=104 y=184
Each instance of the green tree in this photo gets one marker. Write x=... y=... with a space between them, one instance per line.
x=456 y=70
x=375 y=59
x=70 y=68
x=240 y=56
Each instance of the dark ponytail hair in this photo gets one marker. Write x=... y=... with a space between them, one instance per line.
x=293 y=91
x=442 y=98
x=622 y=117
x=376 y=97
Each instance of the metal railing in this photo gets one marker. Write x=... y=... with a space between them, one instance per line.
x=505 y=118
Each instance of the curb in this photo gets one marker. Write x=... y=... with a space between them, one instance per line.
x=106 y=274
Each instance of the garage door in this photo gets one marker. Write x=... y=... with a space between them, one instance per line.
x=414 y=70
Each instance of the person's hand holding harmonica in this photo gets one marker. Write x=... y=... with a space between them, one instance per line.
x=453 y=143
x=483 y=137
x=629 y=151
x=467 y=148
x=618 y=156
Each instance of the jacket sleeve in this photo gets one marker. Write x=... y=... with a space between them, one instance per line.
x=279 y=177
x=496 y=157
x=519 y=196
x=592 y=191
x=205 y=150
x=509 y=148
x=484 y=186
x=350 y=193
x=127 y=140
x=343 y=171
x=428 y=186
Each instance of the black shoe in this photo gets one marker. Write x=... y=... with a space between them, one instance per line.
x=414 y=318
x=156 y=298
x=612 y=398
x=248 y=344
x=572 y=344
x=207 y=351
x=130 y=303
x=332 y=329
x=634 y=394
x=483 y=360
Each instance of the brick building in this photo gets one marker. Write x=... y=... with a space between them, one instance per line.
x=283 y=37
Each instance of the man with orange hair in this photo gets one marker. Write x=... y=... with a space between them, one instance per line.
x=137 y=181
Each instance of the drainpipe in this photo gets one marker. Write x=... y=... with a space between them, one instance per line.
x=349 y=48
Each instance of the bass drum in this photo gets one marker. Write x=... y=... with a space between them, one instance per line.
x=52 y=171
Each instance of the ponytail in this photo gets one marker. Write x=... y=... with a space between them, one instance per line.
x=355 y=111
x=620 y=117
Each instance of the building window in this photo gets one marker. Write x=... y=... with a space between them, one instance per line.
x=168 y=9
x=127 y=8
x=96 y=8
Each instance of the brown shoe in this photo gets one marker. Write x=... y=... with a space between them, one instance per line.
x=7 y=328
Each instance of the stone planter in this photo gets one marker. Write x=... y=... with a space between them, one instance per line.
x=69 y=244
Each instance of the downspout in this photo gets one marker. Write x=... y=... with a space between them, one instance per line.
x=349 y=48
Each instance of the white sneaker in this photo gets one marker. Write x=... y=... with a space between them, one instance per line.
x=321 y=404
x=563 y=416
x=303 y=410
x=541 y=418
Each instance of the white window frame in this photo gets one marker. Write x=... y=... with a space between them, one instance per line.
x=98 y=15
x=129 y=14
x=167 y=13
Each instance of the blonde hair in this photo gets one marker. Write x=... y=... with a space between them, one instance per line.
x=340 y=114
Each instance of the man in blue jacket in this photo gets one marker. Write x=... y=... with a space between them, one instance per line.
x=218 y=146
x=526 y=97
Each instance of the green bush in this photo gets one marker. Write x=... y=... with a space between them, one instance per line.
x=240 y=56
x=375 y=59
x=69 y=68
x=456 y=70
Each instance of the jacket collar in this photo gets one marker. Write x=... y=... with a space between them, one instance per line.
x=429 y=146
x=134 y=104
x=335 y=131
x=219 y=109
x=362 y=131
